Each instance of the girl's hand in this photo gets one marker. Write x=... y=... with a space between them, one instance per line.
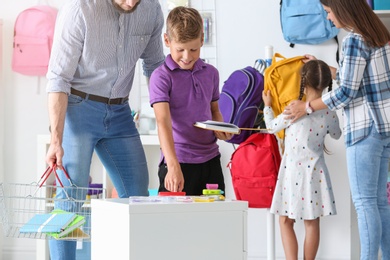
x=267 y=98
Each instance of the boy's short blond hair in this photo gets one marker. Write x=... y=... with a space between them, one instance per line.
x=184 y=24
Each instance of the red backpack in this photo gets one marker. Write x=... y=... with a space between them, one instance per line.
x=33 y=38
x=254 y=167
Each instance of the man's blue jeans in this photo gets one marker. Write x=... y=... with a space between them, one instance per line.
x=368 y=166
x=108 y=130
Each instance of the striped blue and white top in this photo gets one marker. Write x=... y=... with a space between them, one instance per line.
x=96 y=47
x=364 y=89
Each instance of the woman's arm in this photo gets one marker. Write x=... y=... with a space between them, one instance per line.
x=333 y=70
x=297 y=108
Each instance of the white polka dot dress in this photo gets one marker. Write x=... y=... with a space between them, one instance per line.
x=304 y=189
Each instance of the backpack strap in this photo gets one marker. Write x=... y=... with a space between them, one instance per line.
x=260 y=65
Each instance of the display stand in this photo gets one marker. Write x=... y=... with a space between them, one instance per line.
x=268 y=55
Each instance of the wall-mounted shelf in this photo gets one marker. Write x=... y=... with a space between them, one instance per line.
x=382 y=13
x=150 y=140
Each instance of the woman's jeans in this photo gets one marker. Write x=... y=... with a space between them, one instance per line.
x=368 y=166
x=108 y=130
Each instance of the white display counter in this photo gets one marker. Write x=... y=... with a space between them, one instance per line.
x=174 y=231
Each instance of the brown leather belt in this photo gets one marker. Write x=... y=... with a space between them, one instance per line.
x=114 y=101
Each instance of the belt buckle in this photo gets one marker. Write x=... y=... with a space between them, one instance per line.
x=110 y=101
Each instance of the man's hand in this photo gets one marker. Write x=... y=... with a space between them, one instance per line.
x=54 y=155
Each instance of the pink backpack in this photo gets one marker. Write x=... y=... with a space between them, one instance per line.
x=33 y=38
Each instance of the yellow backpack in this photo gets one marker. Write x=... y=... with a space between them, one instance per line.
x=283 y=79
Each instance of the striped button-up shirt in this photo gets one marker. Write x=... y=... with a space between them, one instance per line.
x=96 y=47
x=364 y=89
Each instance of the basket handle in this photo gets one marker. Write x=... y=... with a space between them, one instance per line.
x=49 y=171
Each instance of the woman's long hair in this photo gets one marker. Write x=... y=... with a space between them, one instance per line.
x=358 y=16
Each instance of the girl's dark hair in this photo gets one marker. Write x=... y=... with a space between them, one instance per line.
x=358 y=16
x=315 y=74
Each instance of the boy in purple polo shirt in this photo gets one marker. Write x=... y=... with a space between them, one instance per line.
x=185 y=90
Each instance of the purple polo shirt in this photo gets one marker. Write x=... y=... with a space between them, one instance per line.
x=189 y=94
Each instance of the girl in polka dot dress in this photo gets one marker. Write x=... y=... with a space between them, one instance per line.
x=304 y=190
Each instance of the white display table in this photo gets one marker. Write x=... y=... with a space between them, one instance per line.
x=174 y=231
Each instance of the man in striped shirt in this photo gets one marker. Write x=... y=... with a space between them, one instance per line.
x=96 y=47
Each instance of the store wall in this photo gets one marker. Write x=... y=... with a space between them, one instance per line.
x=25 y=116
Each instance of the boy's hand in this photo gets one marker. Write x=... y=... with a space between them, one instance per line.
x=223 y=135
x=174 y=180
x=267 y=98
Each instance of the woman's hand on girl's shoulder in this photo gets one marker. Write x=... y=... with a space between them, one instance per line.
x=295 y=110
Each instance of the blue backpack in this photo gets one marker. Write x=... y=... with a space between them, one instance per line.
x=304 y=22
x=240 y=99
